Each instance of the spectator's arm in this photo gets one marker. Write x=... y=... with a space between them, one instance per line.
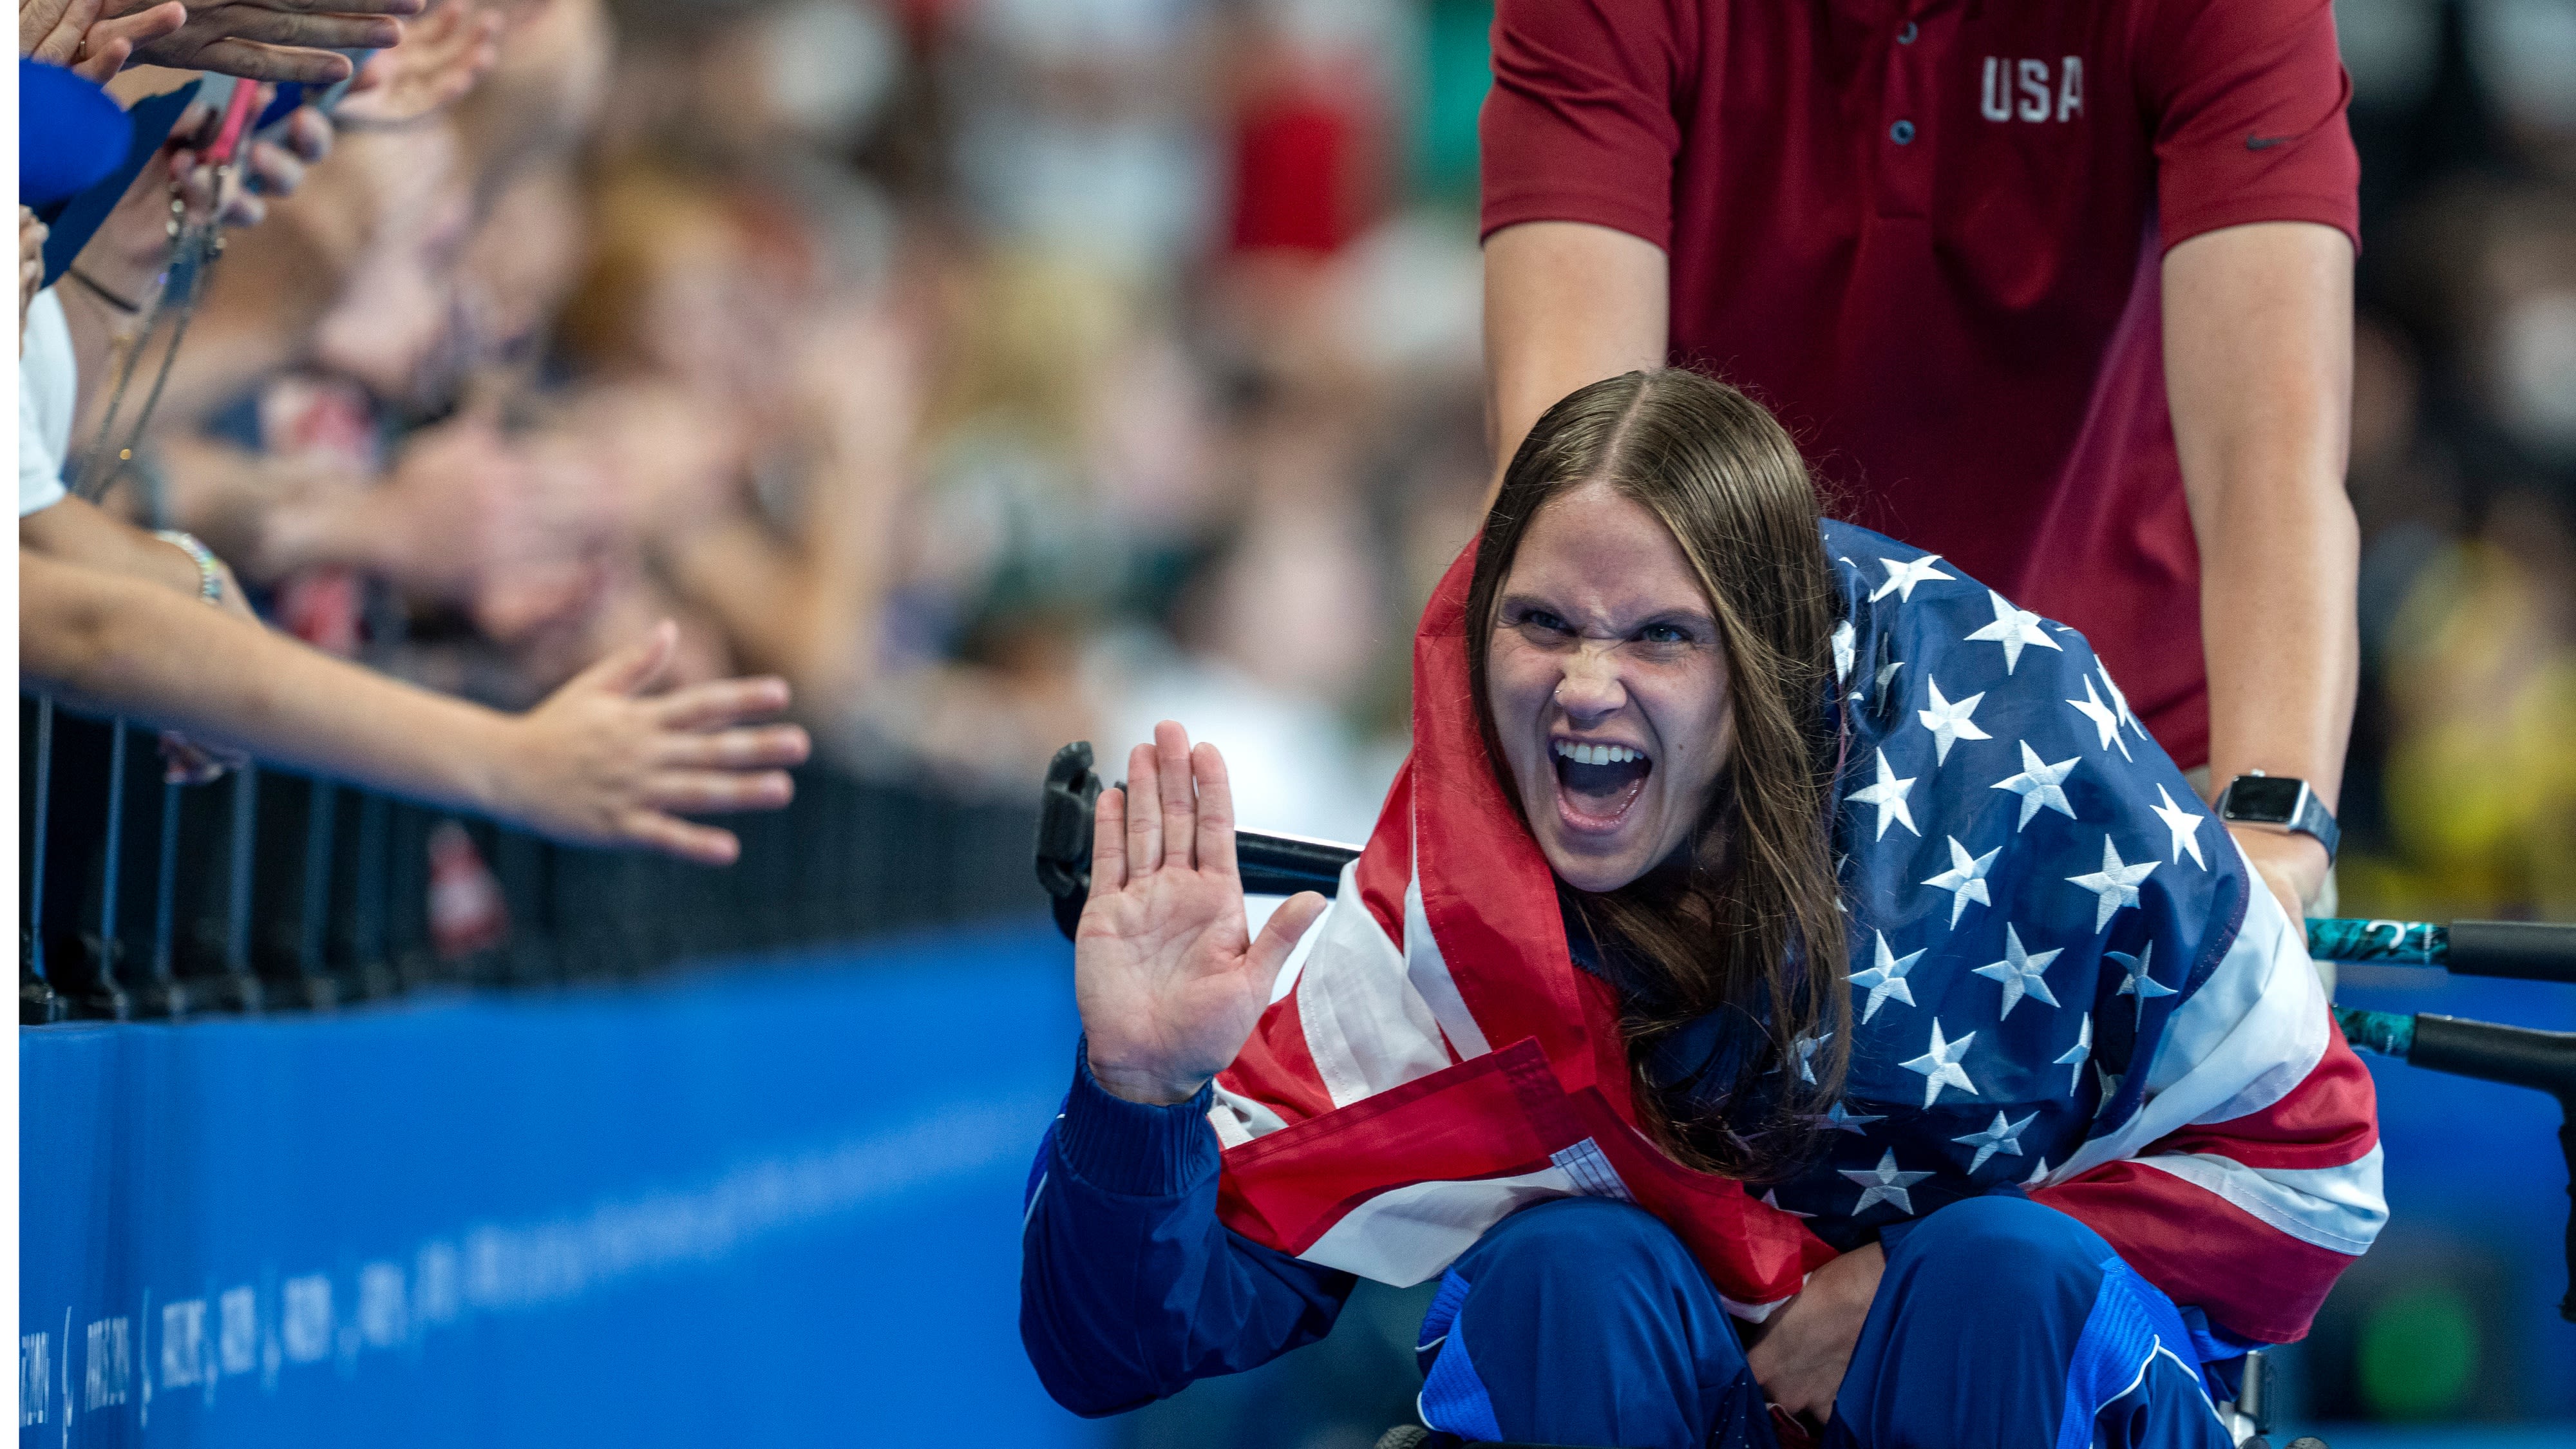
x=595 y=764
x=78 y=531
x=275 y=40
x=1566 y=303
x=2258 y=367
x=809 y=605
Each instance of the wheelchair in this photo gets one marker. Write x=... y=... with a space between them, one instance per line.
x=2543 y=1061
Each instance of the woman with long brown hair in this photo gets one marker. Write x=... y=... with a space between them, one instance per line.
x=1785 y=994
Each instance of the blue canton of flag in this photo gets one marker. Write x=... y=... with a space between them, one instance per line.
x=2034 y=892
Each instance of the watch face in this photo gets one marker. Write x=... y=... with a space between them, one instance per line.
x=2264 y=799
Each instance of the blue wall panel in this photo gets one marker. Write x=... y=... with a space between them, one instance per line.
x=773 y=1204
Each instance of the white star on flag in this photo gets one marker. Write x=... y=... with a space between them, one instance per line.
x=1965 y=880
x=2115 y=885
x=1771 y=1199
x=2019 y=971
x=1807 y=1046
x=2140 y=985
x=2038 y=1175
x=2001 y=1137
x=1949 y=723
x=1940 y=1066
x=1885 y=979
x=2013 y=628
x=1902 y=577
x=2119 y=701
x=1889 y=796
x=2105 y=721
x=2185 y=826
x=1843 y=1119
x=1884 y=1184
x=2075 y=1055
x=1887 y=672
x=2039 y=785
x=1842 y=650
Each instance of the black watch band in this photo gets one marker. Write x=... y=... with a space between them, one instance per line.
x=2279 y=802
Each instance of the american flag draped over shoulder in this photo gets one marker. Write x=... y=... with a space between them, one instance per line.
x=2064 y=978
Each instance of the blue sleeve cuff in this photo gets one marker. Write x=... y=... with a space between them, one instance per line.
x=1130 y=1148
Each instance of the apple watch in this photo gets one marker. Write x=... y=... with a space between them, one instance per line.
x=2278 y=802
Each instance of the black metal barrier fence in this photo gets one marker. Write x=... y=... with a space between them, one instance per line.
x=269 y=891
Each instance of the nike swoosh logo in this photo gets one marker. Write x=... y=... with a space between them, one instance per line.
x=2265 y=143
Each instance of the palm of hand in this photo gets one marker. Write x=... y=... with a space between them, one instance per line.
x=1168 y=959
x=1167 y=981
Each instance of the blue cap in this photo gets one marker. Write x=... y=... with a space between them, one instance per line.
x=71 y=134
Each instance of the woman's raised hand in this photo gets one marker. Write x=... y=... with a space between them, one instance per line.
x=1164 y=969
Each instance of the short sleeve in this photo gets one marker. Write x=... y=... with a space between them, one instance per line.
x=1580 y=123
x=46 y=397
x=2248 y=99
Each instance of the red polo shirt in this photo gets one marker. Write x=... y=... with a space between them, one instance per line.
x=1927 y=234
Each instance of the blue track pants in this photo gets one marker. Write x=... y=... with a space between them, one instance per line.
x=1999 y=1322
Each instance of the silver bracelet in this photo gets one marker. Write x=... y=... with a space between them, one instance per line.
x=210 y=577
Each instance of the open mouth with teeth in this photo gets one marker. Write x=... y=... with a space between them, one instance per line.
x=1595 y=784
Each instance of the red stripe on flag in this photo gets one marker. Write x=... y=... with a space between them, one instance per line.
x=2329 y=1119
x=2202 y=1250
x=1486 y=890
x=1492 y=1116
x=1275 y=1067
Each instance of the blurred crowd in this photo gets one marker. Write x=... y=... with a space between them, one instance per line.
x=997 y=373
x=1005 y=372
x=2461 y=797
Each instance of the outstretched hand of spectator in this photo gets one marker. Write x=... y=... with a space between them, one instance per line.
x=603 y=763
x=441 y=56
x=273 y=40
x=71 y=33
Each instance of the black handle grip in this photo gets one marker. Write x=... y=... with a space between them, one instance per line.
x=2521 y=950
x=1282 y=865
x=1272 y=865
x=2545 y=1060
x=2517 y=1055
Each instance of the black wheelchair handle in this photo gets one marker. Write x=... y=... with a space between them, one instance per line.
x=2520 y=950
x=1272 y=865
x=2545 y=1060
x=2517 y=1056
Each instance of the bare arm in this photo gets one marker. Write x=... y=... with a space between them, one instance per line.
x=2258 y=368
x=1566 y=303
x=78 y=531
x=595 y=764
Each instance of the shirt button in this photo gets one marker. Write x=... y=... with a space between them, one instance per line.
x=1902 y=133
x=1906 y=36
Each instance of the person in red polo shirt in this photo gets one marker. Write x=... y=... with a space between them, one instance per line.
x=2061 y=293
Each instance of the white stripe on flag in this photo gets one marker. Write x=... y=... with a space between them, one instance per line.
x=1405 y=1235
x=1429 y=972
x=1365 y=1025
x=2333 y=1207
x=1238 y=1118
